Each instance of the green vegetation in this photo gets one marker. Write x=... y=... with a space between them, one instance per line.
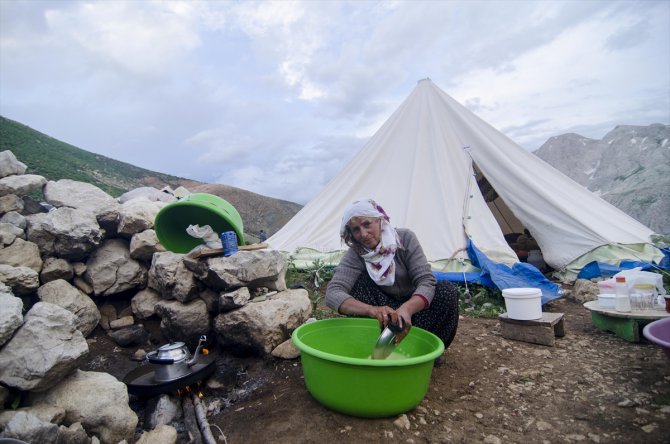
x=639 y=168
x=55 y=160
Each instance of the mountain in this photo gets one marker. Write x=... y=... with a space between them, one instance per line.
x=53 y=159
x=629 y=168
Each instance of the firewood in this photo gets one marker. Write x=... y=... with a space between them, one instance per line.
x=201 y=416
x=195 y=437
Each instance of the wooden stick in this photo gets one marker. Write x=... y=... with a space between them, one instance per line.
x=190 y=421
x=201 y=416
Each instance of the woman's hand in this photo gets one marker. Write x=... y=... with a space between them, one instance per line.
x=384 y=315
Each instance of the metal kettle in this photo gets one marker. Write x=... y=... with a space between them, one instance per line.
x=173 y=361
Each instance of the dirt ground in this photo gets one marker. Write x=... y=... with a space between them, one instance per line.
x=590 y=387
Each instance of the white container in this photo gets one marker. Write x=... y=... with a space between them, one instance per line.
x=523 y=303
x=607 y=300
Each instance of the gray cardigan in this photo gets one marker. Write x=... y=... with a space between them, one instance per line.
x=413 y=274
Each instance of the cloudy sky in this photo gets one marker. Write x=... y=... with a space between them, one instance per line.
x=276 y=97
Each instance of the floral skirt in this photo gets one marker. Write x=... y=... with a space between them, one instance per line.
x=440 y=318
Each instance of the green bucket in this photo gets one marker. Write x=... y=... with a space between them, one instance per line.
x=195 y=209
x=339 y=373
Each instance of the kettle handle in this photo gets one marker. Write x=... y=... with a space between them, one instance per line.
x=151 y=357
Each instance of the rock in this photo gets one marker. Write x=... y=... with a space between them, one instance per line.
x=234 y=299
x=211 y=299
x=286 y=350
x=169 y=276
x=123 y=322
x=491 y=439
x=65 y=232
x=10 y=165
x=137 y=215
x=61 y=293
x=184 y=322
x=74 y=434
x=260 y=327
x=55 y=268
x=11 y=316
x=22 y=253
x=143 y=245
x=21 y=184
x=9 y=233
x=584 y=291
x=45 y=349
x=98 y=400
x=402 y=422
x=163 y=434
x=22 y=280
x=29 y=428
x=147 y=193
x=11 y=202
x=260 y=268
x=82 y=196
x=144 y=303
x=129 y=336
x=16 y=219
x=162 y=410
x=111 y=270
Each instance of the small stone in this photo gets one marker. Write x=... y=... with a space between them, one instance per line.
x=478 y=415
x=542 y=426
x=388 y=434
x=649 y=428
x=574 y=437
x=593 y=437
x=402 y=422
x=491 y=439
x=139 y=355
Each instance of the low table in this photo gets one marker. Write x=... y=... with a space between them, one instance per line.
x=625 y=325
x=537 y=331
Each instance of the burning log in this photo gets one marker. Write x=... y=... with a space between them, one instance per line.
x=190 y=420
x=201 y=416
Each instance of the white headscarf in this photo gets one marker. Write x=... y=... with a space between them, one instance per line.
x=379 y=262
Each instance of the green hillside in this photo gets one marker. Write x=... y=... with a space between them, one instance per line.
x=56 y=160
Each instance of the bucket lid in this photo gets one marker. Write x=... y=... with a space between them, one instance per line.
x=521 y=292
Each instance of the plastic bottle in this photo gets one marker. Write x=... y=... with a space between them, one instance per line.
x=622 y=299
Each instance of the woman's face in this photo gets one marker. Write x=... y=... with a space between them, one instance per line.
x=366 y=230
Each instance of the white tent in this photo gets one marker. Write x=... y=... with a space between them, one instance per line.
x=423 y=166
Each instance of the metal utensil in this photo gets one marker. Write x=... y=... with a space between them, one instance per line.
x=386 y=341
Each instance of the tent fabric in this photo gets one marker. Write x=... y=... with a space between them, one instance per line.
x=423 y=166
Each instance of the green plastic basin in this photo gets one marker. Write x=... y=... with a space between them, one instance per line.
x=335 y=356
x=195 y=209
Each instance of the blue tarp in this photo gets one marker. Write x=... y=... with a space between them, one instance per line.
x=501 y=276
x=598 y=269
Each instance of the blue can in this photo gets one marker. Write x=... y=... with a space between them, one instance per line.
x=229 y=242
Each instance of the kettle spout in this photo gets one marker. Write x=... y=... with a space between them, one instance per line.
x=201 y=344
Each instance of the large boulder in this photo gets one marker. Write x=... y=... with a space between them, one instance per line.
x=21 y=185
x=65 y=232
x=111 y=270
x=22 y=253
x=169 y=276
x=97 y=400
x=10 y=165
x=143 y=245
x=9 y=233
x=11 y=203
x=86 y=197
x=259 y=327
x=45 y=349
x=144 y=303
x=11 y=316
x=184 y=322
x=243 y=269
x=137 y=215
x=61 y=293
x=21 y=280
x=148 y=193
x=56 y=268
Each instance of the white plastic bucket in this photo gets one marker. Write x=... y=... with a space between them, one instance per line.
x=523 y=303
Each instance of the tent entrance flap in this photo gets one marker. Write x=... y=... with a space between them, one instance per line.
x=506 y=219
